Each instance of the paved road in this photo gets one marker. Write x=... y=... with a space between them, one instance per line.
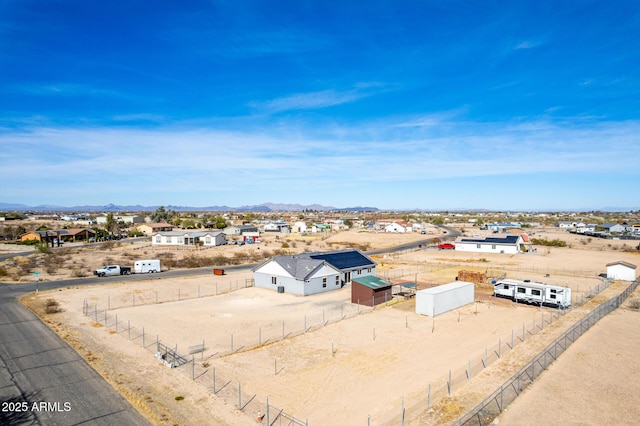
x=37 y=367
x=43 y=381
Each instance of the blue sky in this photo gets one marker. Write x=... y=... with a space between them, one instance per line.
x=519 y=105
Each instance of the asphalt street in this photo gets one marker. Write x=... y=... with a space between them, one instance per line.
x=43 y=381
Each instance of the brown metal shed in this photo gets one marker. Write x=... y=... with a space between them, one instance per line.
x=370 y=291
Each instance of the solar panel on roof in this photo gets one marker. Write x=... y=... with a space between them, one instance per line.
x=344 y=260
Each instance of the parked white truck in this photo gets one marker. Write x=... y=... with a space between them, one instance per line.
x=148 y=266
x=112 y=270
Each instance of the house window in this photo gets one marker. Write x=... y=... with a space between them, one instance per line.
x=505 y=286
x=493 y=246
x=368 y=270
x=478 y=245
x=158 y=239
x=553 y=296
x=337 y=279
x=324 y=282
x=522 y=290
x=207 y=240
x=168 y=240
x=535 y=292
x=274 y=280
x=359 y=271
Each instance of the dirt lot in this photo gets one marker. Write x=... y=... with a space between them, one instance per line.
x=362 y=365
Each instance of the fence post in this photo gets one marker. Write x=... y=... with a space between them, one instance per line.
x=239 y=397
x=267 y=412
x=449 y=383
x=429 y=397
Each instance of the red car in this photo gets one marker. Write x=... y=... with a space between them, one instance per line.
x=446 y=246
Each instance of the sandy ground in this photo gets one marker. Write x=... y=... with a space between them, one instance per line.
x=596 y=381
x=352 y=365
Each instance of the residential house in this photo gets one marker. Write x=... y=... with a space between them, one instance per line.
x=195 y=238
x=152 y=228
x=503 y=243
x=309 y=273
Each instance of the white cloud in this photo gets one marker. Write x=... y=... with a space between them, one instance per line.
x=109 y=162
x=310 y=100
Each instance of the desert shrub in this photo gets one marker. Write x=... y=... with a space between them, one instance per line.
x=3 y=272
x=280 y=252
x=240 y=257
x=548 y=243
x=78 y=273
x=220 y=260
x=364 y=246
x=634 y=303
x=51 y=269
x=109 y=260
x=256 y=256
x=285 y=245
x=108 y=245
x=51 y=306
x=43 y=248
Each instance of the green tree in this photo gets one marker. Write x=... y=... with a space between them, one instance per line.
x=162 y=215
x=111 y=225
x=220 y=222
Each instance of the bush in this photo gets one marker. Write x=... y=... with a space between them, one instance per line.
x=548 y=243
x=51 y=306
x=634 y=303
x=43 y=248
x=78 y=273
x=3 y=272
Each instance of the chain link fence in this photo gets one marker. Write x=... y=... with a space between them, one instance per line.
x=495 y=403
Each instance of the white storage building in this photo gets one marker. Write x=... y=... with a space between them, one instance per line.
x=621 y=270
x=438 y=300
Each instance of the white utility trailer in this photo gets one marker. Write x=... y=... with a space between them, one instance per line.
x=443 y=298
x=534 y=293
x=146 y=266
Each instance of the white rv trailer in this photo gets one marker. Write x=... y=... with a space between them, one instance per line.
x=535 y=293
x=146 y=266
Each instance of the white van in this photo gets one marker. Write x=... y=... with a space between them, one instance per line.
x=146 y=266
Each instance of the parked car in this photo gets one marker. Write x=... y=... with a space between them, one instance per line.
x=446 y=246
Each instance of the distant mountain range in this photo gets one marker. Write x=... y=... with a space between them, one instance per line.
x=266 y=207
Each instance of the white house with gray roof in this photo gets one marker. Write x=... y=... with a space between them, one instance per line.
x=310 y=273
x=195 y=238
